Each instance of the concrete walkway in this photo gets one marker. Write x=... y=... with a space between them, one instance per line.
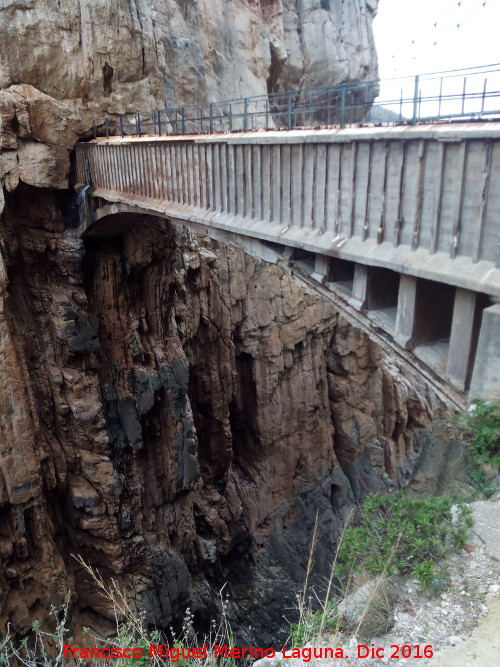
x=482 y=648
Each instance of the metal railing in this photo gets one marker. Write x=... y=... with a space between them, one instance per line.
x=472 y=93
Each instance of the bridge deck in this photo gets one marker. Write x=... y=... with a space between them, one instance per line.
x=421 y=202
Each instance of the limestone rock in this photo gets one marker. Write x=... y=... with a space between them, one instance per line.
x=369 y=610
x=119 y=55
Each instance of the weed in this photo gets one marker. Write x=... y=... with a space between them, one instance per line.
x=46 y=649
x=377 y=617
x=313 y=623
x=422 y=530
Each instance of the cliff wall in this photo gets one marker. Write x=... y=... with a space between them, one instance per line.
x=138 y=55
x=177 y=413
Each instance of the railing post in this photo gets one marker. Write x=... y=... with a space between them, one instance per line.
x=95 y=131
x=289 y=110
x=245 y=114
x=121 y=126
x=415 y=102
x=342 y=105
x=440 y=96
x=211 y=115
x=484 y=96
x=183 y=120
x=463 y=95
x=138 y=124
x=106 y=126
x=159 y=123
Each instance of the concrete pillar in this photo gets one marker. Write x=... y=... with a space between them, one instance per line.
x=197 y=175
x=223 y=178
x=217 y=185
x=309 y=186
x=175 y=173
x=320 y=268
x=486 y=375
x=297 y=185
x=239 y=171
x=276 y=167
x=248 y=207
x=210 y=176
x=169 y=174
x=462 y=338
x=203 y=177
x=231 y=160
x=266 y=183
x=285 y=209
x=257 y=182
x=320 y=189
x=359 y=286
x=406 y=315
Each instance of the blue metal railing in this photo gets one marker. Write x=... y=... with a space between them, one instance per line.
x=472 y=93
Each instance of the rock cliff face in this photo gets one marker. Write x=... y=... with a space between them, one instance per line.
x=136 y=55
x=173 y=411
x=177 y=413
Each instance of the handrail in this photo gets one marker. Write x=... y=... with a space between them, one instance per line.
x=469 y=93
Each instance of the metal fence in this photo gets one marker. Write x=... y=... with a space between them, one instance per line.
x=472 y=93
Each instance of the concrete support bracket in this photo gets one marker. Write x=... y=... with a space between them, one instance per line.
x=405 y=318
x=486 y=375
x=461 y=339
x=359 y=287
x=320 y=268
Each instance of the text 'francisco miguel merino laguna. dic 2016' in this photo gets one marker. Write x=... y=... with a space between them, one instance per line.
x=174 y=654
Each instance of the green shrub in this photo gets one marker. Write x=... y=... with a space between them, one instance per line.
x=483 y=421
x=401 y=535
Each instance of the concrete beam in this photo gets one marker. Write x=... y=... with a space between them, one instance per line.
x=359 y=287
x=486 y=375
x=406 y=315
x=320 y=268
x=462 y=338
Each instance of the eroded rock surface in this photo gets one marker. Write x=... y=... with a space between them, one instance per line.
x=177 y=413
x=136 y=55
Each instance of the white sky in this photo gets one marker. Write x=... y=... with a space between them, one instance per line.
x=409 y=43
x=424 y=36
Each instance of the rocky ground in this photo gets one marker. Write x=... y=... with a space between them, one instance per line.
x=461 y=624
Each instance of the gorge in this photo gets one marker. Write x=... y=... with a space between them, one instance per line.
x=174 y=411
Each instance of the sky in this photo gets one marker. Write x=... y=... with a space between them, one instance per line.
x=420 y=36
x=423 y=36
